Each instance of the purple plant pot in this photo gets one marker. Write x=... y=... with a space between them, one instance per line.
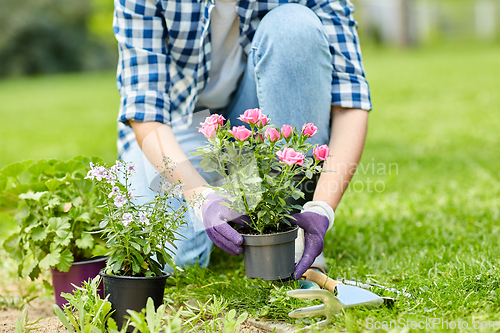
x=78 y=273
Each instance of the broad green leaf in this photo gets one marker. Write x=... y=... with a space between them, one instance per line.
x=42 y=167
x=53 y=202
x=29 y=264
x=12 y=246
x=22 y=214
x=65 y=261
x=77 y=201
x=86 y=242
x=53 y=184
x=51 y=259
x=13 y=170
x=61 y=241
x=85 y=217
x=309 y=174
x=38 y=233
x=60 y=226
x=32 y=195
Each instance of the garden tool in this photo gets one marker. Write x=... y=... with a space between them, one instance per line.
x=346 y=297
x=371 y=286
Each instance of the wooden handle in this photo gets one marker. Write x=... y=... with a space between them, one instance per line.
x=321 y=279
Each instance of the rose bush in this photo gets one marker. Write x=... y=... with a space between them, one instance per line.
x=262 y=166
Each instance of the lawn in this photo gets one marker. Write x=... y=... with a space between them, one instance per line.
x=421 y=216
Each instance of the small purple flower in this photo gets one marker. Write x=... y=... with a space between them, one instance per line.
x=177 y=190
x=166 y=187
x=144 y=220
x=115 y=191
x=131 y=169
x=127 y=219
x=100 y=172
x=131 y=195
x=113 y=170
x=90 y=175
x=119 y=201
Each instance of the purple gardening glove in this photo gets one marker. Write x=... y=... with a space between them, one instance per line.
x=315 y=226
x=215 y=218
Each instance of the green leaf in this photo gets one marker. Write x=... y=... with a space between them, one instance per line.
x=51 y=259
x=53 y=202
x=43 y=167
x=60 y=226
x=59 y=313
x=252 y=180
x=85 y=217
x=38 y=233
x=86 y=242
x=32 y=195
x=53 y=184
x=12 y=246
x=13 y=170
x=77 y=201
x=65 y=261
x=22 y=214
x=309 y=174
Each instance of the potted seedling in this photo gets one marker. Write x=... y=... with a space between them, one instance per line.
x=262 y=167
x=56 y=210
x=137 y=236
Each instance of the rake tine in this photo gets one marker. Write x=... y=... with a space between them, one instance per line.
x=310 y=311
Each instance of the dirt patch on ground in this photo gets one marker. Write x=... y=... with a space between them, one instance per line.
x=42 y=308
x=48 y=323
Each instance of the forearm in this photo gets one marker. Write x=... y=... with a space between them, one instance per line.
x=157 y=141
x=346 y=144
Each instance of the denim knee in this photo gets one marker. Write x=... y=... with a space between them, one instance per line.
x=291 y=28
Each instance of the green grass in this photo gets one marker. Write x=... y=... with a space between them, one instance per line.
x=430 y=229
x=58 y=117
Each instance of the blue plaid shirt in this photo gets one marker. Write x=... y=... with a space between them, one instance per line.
x=164 y=56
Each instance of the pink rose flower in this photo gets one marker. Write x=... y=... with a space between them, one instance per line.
x=254 y=116
x=286 y=131
x=240 y=132
x=208 y=130
x=214 y=120
x=309 y=129
x=321 y=152
x=211 y=124
x=272 y=134
x=290 y=156
x=259 y=138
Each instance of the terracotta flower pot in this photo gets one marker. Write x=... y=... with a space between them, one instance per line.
x=80 y=271
x=270 y=257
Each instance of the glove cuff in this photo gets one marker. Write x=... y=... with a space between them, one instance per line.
x=198 y=210
x=322 y=208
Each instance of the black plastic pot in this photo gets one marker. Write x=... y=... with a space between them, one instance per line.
x=270 y=257
x=131 y=293
x=80 y=271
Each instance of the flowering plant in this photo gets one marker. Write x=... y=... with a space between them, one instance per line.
x=261 y=166
x=137 y=234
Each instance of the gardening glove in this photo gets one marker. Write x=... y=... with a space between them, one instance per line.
x=215 y=217
x=315 y=219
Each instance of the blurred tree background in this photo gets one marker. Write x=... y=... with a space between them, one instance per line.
x=49 y=36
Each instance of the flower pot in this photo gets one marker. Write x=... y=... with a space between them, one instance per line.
x=80 y=271
x=131 y=293
x=270 y=257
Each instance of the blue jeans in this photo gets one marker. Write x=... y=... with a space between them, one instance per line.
x=288 y=76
